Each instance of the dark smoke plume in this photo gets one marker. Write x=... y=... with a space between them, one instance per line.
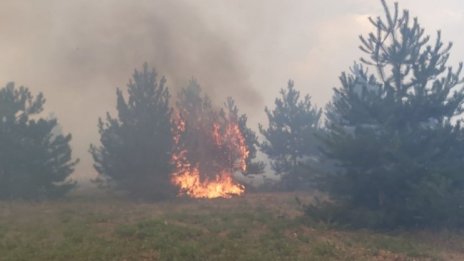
x=78 y=52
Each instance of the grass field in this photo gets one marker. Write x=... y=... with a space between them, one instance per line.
x=253 y=227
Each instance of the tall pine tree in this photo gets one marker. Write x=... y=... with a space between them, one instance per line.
x=135 y=151
x=391 y=129
x=291 y=137
x=35 y=161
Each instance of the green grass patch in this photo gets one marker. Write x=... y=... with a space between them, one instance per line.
x=248 y=228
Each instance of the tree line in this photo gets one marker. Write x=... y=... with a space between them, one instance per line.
x=388 y=148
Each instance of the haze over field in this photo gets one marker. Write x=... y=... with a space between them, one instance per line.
x=77 y=52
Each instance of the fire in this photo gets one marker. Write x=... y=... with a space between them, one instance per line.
x=222 y=186
x=207 y=172
x=233 y=135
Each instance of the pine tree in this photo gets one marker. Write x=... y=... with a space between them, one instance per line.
x=251 y=139
x=391 y=131
x=35 y=162
x=135 y=151
x=200 y=118
x=291 y=137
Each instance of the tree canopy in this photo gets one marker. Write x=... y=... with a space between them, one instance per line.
x=35 y=159
x=136 y=146
x=393 y=130
x=291 y=141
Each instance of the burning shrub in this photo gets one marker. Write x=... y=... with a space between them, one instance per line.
x=209 y=146
x=148 y=151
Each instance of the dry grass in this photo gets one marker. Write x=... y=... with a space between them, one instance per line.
x=255 y=227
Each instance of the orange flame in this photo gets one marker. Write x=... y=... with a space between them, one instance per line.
x=188 y=177
x=221 y=187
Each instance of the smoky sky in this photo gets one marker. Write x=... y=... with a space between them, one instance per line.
x=77 y=52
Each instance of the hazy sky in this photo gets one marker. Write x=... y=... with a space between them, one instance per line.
x=78 y=51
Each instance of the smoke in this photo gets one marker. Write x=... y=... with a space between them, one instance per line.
x=78 y=52
x=114 y=36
